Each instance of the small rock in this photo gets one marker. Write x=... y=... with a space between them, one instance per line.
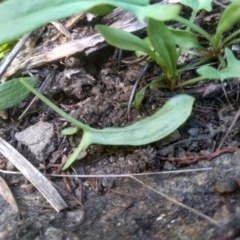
x=39 y=139
x=56 y=234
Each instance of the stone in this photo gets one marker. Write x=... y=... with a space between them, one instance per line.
x=39 y=139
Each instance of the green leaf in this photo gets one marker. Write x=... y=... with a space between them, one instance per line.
x=101 y=10
x=197 y=5
x=163 y=42
x=158 y=12
x=229 y=18
x=139 y=97
x=35 y=13
x=166 y=120
x=70 y=131
x=231 y=71
x=124 y=40
x=185 y=39
x=140 y=53
x=12 y=92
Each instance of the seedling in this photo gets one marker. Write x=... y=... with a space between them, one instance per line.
x=161 y=44
x=166 y=120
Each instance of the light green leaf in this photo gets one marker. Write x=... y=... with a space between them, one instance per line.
x=185 y=39
x=166 y=120
x=231 y=71
x=163 y=42
x=35 y=13
x=197 y=5
x=70 y=131
x=12 y=92
x=229 y=18
x=158 y=12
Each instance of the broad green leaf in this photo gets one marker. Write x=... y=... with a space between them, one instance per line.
x=197 y=5
x=166 y=120
x=124 y=40
x=16 y=21
x=229 y=18
x=185 y=39
x=163 y=42
x=231 y=71
x=12 y=92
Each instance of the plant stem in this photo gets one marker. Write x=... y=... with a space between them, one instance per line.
x=230 y=37
x=194 y=53
x=193 y=15
x=191 y=66
x=55 y=107
x=237 y=40
x=194 y=27
x=81 y=147
x=221 y=60
x=194 y=80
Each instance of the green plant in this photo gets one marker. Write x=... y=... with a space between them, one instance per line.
x=33 y=14
x=5 y=48
x=145 y=131
x=162 y=41
x=13 y=92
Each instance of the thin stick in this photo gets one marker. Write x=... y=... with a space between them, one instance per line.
x=177 y=202
x=135 y=87
x=116 y=175
x=13 y=53
x=229 y=129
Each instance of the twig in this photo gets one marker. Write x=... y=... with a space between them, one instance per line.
x=229 y=129
x=135 y=87
x=136 y=61
x=61 y=28
x=116 y=175
x=177 y=202
x=192 y=159
x=13 y=53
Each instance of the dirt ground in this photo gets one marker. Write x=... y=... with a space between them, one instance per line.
x=91 y=86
